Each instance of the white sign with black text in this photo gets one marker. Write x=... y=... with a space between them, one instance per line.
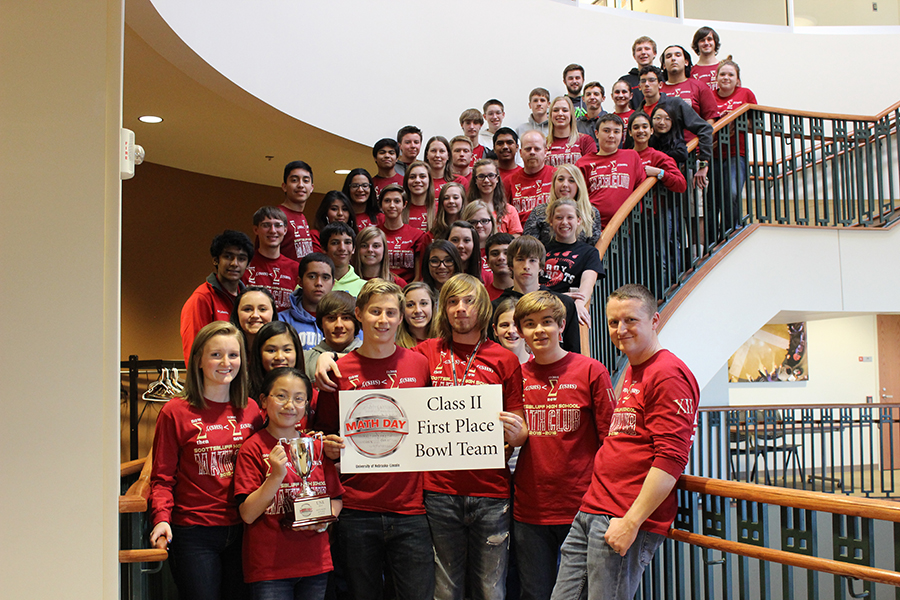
x=422 y=429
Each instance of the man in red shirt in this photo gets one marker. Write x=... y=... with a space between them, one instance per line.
x=706 y=45
x=676 y=62
x=383 y=517
x=506 y=147
x=469 y=511
x=611 y=174
x=297 y=187
x=530 y=186
x=214 y=298
x=631 y=501
x=568 y=405
x=269 y=268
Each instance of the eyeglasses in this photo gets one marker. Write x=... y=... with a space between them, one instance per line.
x=486 y=176
x=654 y=80
x=284 y=399
x=479 y=222
x=272 y=225
x=436 y=262
x=359 y=186
x=661 y=119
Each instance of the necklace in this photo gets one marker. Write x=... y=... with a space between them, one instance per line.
x=468 y=363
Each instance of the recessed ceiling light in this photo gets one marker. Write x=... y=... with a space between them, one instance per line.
x=150 y=119
x=342 y=172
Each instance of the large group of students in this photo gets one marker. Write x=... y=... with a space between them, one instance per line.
x=472 y=266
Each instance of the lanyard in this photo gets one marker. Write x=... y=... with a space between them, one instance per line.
x=468 y=363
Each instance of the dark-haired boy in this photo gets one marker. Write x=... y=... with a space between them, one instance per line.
x=506 y=147
x=568 y=405
x=706 y=44
x=495 y=251
x=336 y=317
x=383 y=518
x=338 y=243
x=385 y=153
x=297 y=188
x=316 y=280
x=526 y=256
x=214 y=298
x=269 y=268
x=410 y=140
x=404 y=243
x=679 y=84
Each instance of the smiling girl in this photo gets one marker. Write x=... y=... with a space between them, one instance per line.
x=197 y=437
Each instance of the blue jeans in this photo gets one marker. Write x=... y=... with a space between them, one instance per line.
x=471 y=545
x=591 y=569
x=367 y=538
x=295 y=588
x=206 y=562
x=537 y=555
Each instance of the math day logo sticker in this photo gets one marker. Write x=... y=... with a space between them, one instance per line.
x=376 y=425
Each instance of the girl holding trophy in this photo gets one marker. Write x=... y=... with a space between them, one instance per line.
x=194 y=447
x=288 y=493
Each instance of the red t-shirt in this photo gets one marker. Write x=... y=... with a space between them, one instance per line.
x=383 y=182
x=266 y=541
x=706 y=74
x=527 y=191
x=673 y=178
x=652 y=426
x=363 y=221
x=698 y=96
x=493 y=292
x=208 y=303
x=627 y=115
x=492 y=364
x=377 y=492
x=418 y=217
x=568 y=405
x=611 y=179
x=739 y=97
x=404 y=246
x=297 y=241
x=279 y=276
x=561 y=152
x=193 y=461
x=477 y=154
x=505 y=174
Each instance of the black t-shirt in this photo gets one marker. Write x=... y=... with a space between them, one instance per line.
x=566 y=263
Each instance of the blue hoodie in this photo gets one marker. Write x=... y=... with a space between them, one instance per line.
x=303 y=322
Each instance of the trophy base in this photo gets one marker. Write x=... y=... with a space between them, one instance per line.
x=312 y=510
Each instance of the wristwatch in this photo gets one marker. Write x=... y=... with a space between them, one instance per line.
x=702 y=164
x=660 y=174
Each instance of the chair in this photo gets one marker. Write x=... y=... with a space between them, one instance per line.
x=759 y=433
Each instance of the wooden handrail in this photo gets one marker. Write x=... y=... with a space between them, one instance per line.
x=783 y=557
x=867 y=508
x=141 y=556
x=135 y=499
x=131 y=467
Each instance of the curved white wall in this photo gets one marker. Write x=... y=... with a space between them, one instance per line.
x=782 y=269
x=361 y=69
